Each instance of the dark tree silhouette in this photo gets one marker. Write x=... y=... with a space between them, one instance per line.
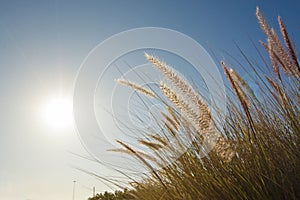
x=117 y=195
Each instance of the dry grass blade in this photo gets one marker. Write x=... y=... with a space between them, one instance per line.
x=144 y=155
x=289 y=45
x=171 y=121
x=159 y=139
x=238 y=79
x=136 y=87
x=278 y=90
x=151 y=145
x=172 y=132
x=280 y=51
x=237 y=89
x=172 y=113
x=241 y=98
x=143 y=161
x=273 y=59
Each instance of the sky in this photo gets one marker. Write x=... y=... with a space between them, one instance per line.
x=43 y=46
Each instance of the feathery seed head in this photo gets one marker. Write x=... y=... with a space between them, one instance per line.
x=136 y=87
x=151 y=145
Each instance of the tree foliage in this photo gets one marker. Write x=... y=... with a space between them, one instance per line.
x=117 y=195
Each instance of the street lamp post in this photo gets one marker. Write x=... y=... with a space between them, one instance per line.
x=74 y=190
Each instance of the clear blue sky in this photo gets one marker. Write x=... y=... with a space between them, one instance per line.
x=43 y=43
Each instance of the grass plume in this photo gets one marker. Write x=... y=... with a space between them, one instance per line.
x=136 y=87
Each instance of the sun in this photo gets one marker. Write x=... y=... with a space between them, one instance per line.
x=58 y=113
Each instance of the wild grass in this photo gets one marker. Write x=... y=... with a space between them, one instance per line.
x=256 y=154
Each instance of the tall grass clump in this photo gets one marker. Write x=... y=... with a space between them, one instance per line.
x=255 y=155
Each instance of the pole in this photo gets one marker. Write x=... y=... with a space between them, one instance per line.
x=74 y=190
x=94 y=191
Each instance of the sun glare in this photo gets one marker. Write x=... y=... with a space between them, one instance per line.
x=58 y=113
